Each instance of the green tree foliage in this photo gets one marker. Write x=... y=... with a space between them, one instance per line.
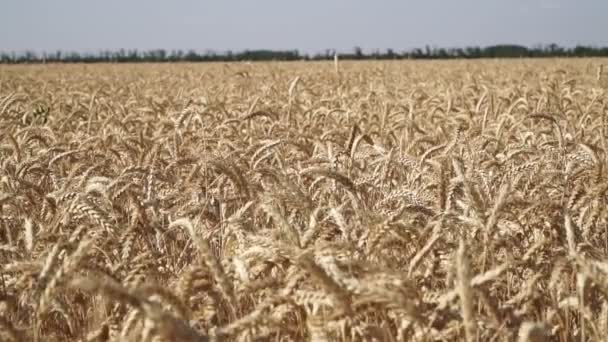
x=428 y=52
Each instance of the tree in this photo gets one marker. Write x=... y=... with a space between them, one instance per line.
x=358 y=52
x=161 y=55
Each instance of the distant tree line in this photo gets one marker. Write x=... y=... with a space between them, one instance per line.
x=161 y=55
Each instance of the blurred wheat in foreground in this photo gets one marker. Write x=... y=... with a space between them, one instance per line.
x=387 y=201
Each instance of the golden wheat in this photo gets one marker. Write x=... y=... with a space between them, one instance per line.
x=338 y=201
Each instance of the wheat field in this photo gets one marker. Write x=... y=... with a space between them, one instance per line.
x=328 y=201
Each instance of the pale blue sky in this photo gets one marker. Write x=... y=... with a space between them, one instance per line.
x=310 y=26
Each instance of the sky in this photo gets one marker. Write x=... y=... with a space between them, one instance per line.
x=309 y=26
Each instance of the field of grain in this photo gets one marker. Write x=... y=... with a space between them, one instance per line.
x=388 y=201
